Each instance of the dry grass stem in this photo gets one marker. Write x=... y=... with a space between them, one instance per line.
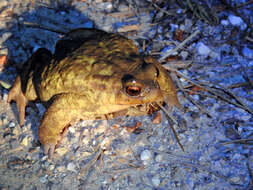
x=211 y=90
x=239 y=141
x=174 y=76
x=170 y=117
x=84 y=171
x=179 y=46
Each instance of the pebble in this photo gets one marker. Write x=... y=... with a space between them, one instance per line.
x=72 y=129
x=43 y=179
x=71 y=167
x=156 y=181
x=224 y=22
x=12 y=124
x=146 y=155
x=25 y=141
x=61 y=168
x=235 y=20
x=159 y=158
x=184 y=54
x=247 y=52
x=202 y=49
x=5 y=37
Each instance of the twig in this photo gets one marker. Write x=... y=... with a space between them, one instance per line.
x=171 y=126
x=239 y=141
x=35 y=25
x=189 y=97
x=178 y=64
x=240 y=104
x=244 y=4
x=84 y=170
x=227 y=91
x=160 y=9
x=238 y=85
x=179 y=46
x=250 y=174
x=249 y=39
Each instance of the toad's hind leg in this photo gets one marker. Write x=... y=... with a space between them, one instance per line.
x=65 y=109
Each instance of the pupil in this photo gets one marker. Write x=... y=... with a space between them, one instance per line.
x=133 y=91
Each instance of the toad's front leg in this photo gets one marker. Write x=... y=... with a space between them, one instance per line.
x=65 y=109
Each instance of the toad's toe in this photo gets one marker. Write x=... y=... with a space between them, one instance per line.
x=49 y=149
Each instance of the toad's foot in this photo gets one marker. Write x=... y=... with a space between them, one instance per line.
x=65 y=109
x=17 y=95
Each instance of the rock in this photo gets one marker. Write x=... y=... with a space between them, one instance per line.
x=184 y=54
x=25 y=141
x=155 y=181
x=202 y=49
x=15 y=131
x=235 y=20
x=146 y=155
x=159 y=158
x=72 y=129
x=71 y=167
x=224 y=22
x=12 y=124
x=248 y=53
x=43 y=179
x=61 y=151
x=61 y=168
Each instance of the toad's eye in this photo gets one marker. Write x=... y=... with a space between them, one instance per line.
x=157 y=72
x=133 y=90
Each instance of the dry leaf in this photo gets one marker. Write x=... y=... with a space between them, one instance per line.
x=178 y=35
x=157 y=118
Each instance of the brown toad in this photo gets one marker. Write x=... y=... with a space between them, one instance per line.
x=92 y=74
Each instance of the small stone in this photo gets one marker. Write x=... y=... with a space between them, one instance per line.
x=12 y=124
x=235 y=179
x=248 y=53
x=72 y=129
x=146 y=155
x=184 y=54
x=4 y=120
x=224 y=22
x=61 y=168
x=15 y=131
x=43 y=179
x=235 y=20
x=5 y=97
x=51 y=167
x=5 y=36
x=159 y=158
x=71 y=167
x=61 y=151
x=25 y=141
x=203 y=49
x=156 y=181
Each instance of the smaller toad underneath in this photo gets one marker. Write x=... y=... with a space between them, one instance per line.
x=92 y=74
